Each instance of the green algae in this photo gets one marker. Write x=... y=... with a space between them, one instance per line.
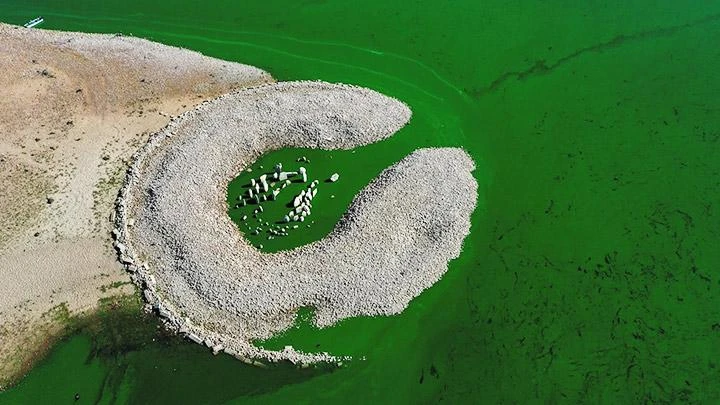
x=104 y=355
x=590 y=274
x=356 y=169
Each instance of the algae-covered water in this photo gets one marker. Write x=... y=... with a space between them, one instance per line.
x=358 y=167
x=591 y=273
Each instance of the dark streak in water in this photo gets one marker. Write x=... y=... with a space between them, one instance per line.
x=540 y=67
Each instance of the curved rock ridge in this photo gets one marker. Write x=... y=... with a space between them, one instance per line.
x=207 y=281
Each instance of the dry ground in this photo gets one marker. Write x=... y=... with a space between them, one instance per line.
x=73 y=109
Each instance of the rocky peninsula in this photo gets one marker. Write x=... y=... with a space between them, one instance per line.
x=199 y=273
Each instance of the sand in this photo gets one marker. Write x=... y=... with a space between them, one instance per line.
x=207 y=281
x=74 y=108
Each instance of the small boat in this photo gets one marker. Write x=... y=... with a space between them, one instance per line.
x=33 y=22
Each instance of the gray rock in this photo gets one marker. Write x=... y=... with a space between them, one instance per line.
x=232 y=294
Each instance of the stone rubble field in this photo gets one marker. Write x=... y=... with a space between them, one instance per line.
x=206 y=280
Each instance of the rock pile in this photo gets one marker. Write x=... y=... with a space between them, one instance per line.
x=258 y=190
x=208 y=282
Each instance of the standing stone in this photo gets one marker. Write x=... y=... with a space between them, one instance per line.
x=286 y=175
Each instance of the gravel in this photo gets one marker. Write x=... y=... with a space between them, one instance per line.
x=208 y=282
x=139 y=55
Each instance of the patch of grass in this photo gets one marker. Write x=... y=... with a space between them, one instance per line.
x=113 y=285
x=106 y=189
x=60 y=314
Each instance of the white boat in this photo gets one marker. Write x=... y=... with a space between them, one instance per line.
x=33 y=22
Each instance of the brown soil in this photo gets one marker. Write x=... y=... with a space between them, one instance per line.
x=74 y=109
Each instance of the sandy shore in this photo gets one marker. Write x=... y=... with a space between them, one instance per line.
x=208 y=282
x=74 y=108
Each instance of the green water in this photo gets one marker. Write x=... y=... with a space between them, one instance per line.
x=591 y=273
x=356 y=167
x=102 y=362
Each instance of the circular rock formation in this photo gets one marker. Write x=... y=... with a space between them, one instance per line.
x=208 y=282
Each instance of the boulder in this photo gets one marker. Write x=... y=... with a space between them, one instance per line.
x=195 y=338
x=286 y=175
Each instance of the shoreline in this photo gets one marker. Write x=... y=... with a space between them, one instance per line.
x=66 y=325
x=78 y=105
